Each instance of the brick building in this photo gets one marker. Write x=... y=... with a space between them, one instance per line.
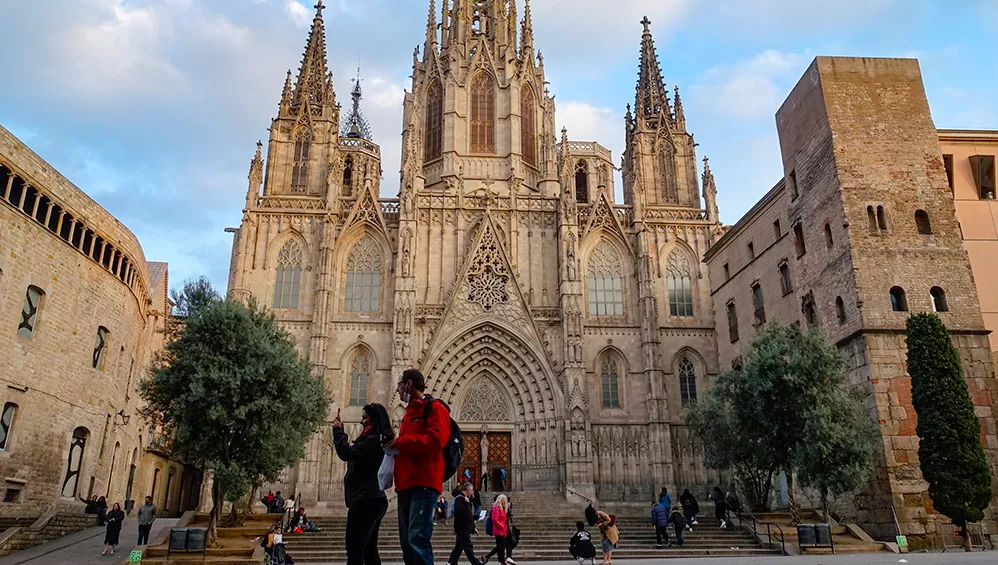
x=81 y=314
x=861 y=231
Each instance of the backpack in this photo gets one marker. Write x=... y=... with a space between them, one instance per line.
x=454 y=450
x=488 y=525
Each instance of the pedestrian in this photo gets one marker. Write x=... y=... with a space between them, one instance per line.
x=91 y=505
x=419 y=466
x=146 y=516
x=101 y=506
x=464 y=526
x=609 y=535
x=485 y=482
x=690 y=508
x=366 y=502
x=276 y=504
x=441 y=510
x=476 y=503
x=720 y=507
x=502 y=478
x=500 y=528
x=666 y=500
x=678 y=524
x=114 y=519
x=581 y=545
x=289 y=508
x=660 y=521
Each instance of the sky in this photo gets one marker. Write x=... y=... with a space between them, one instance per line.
x=154 y=107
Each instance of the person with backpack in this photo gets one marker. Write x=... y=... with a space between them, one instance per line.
x=581 y=545
x=691 y=508
x=497 y=525
x=419 y=465
x=464 y=526
x=678 y=524
x=660 y=521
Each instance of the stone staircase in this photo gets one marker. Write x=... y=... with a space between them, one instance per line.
x=546 y=524
x=55 y=526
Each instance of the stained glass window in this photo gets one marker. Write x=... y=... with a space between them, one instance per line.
x=606 y=282
x=360 y=371
x=483 y=114
x=363 y=277
x=528 y=127
x=299 y=170
x=687 y=381
x=611 y=385
x=433 y=144
x=680 y=282
x=289 y=267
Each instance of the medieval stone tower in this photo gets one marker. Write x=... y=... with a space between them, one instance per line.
x=566 y=331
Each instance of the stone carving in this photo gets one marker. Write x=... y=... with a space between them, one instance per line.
x=488 y=275
x=484 y=402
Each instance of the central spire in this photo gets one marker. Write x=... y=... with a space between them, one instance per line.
x=311 y=84
x=651 y=99
x=355 y=124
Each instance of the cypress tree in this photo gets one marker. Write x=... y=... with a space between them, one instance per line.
x=950 y=452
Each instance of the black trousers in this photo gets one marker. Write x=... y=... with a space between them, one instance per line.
x=144 y=534
x=463 y=543
x=662 y=532
x=363 y=524
x=499 y=549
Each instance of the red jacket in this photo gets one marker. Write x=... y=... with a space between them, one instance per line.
x=499 y=524
x=420 y=461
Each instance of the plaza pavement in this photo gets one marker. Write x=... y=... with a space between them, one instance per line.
x=84 y=547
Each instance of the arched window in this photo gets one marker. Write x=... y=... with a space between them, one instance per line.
x=871 y=217
x=74 y=462
x=100 y=346
x=899 y=301
x=939 y=299
x=829 y=242
x=483 y=114
x=609 y=377
x=582 y=182
x=667 y=173
x=881 y=218
x=360 y=371
x=606 y=282
x=363 y=278
x=840 y=310
x=680 y=283
x=433 y=144
x=289 y=266
x=29 y=312
x=922 y=222
x=299 y=170
x=528 y=126
x=348 y=176
x=687 y=381
x=7 y=424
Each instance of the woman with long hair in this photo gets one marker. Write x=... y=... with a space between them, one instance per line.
x=500 y=528
x=366 y=502
x=114 y=519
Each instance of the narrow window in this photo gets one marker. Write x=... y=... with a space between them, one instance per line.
x=155 y=483
x=751 y=250
x=363 y=277
x=881 y=218
x=939 y=300
x=528 y=126
x=727 y=272
x=799 y=240
x=777 y=230
x=74 y=462
x=759 y=303
x=829 y=242
x=483 y=114
x=6 y=424
x=610 y=380
x=29 y=312
x=360 y=370
x=680 y=283
x=605 y=282
x=983 y=167
x=433 y=144
x=687 y=381
x=667 y=171
x=810 y=312
x=922 y=222
x=793 y=185
x=840 y=310
x=785 y=283
x=348 y=176
x=289 y=267
x=97 y=361
x=299 y=170
x=948 y=165
x=871 y=217
x=899 y=302
x=732 y=322
x=581 y=182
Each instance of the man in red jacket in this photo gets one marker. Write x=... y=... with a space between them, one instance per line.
x=419 y=466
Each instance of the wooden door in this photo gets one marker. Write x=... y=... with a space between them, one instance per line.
x=472 y=458
x=500 y=457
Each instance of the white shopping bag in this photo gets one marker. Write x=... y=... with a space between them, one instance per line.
x=386 y=474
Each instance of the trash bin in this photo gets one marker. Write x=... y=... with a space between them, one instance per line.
x=823 y=534
x=178 y=539
x=806 y=534
x=197 y=539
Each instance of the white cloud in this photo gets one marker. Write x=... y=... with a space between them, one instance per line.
x=590 y=123
x=299 y=14
x=750 y=89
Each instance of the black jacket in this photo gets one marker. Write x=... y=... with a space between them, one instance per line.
x=690 y=504
x=677 y=520
x=582 y=545
x=591 y=515
x=464 y=516
x=363 y=460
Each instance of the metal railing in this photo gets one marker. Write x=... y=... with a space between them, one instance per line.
x=952 y=538
x=580 y=495
x=757 y=535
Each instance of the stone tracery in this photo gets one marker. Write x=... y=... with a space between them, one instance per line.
x=484 y=402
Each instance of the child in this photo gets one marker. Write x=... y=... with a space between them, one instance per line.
x=581 y=547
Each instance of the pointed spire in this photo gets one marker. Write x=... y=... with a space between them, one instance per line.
x=709 y=191
x=286 y=93
x=511 y=20
x=680 y=115
x=255 y=176
x=444 y=38
x=310 y=86
x=355 y=124
x=431 y=29
x=651 y=99
x=527 y=31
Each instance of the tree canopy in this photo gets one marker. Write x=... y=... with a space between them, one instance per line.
x=194 y=297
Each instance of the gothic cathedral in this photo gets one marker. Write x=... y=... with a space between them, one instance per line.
x=566 y=331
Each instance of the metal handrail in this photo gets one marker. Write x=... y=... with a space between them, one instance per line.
x=580 y=495
x=769 y=530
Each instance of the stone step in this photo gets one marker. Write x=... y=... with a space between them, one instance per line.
x=554 y=555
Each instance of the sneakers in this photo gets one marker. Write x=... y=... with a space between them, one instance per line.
x=112 y=552
x=509 y=561
x=104 y=552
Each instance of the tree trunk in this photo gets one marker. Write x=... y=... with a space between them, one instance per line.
x=234 y=515
x=966 y=537
x=252 y=499
x=216 y=509
x=824 y=503
x=791 y=500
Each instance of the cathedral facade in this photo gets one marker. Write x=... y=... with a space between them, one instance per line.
x=566 y=331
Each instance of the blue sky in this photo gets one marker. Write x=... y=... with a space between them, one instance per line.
x=153 y=107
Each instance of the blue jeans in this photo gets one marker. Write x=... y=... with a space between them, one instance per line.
x=415 y=507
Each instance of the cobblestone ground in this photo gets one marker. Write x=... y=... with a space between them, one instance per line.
x=84 y=547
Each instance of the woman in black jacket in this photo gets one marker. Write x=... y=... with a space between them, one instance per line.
x=366 y=502
x=114 y=519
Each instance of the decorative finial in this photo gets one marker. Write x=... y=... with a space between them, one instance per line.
x=647 y=23
x=318 y=9
x=706 y=163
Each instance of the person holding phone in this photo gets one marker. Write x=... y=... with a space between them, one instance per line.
x=366 y=502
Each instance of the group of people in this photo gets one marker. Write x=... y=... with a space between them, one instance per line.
x=114 y=519
x=664 y=514
x=293 y=519
x=498 y=524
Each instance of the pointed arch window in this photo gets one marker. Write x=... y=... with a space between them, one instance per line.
x=299 y=169
x=288 y=283
x=363 y=277
x=74 y=462
x=483 y=114
x=528 y=126
x=680 y=283
x=582 y=182
x=667 y=173
x=360 y=372
x=433 y=142
x=609 y=377
x=348 y=176
x=606 y=282
x=687 y=381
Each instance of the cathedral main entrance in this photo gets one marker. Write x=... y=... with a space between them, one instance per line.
x=488 y=458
